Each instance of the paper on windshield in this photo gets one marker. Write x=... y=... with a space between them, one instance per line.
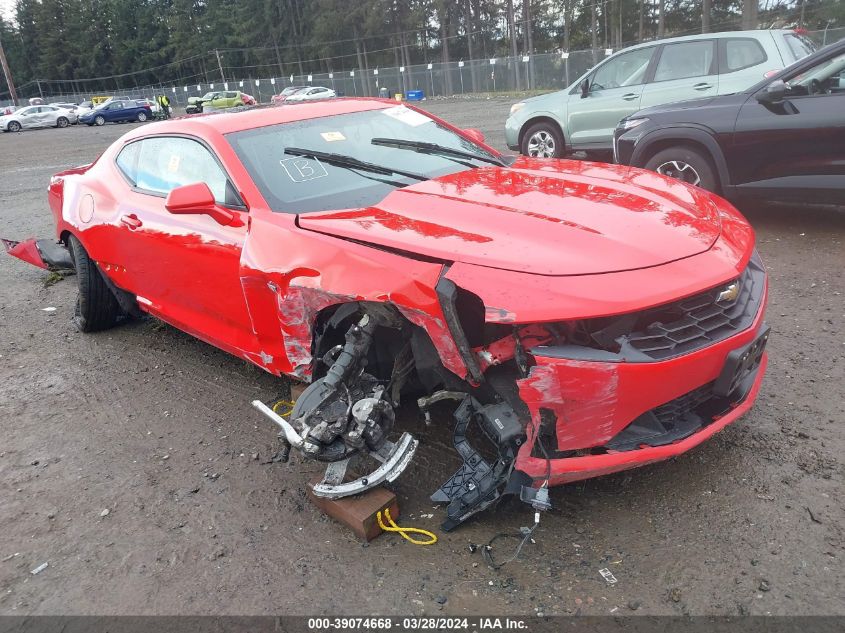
x=406 y=116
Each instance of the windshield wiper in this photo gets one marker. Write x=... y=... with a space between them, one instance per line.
x=425 y=147
x=342 y=160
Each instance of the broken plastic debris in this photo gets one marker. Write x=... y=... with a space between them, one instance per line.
x=39 y=569
x=608 y=576
x=48 y=309
x=105 y=512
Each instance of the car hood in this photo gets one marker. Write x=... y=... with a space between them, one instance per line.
x=538 y=216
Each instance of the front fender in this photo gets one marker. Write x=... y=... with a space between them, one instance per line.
x=290 y=275
x=686 y=132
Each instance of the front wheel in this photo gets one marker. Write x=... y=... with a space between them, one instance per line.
x=14 y=126
x=142 y=116
x=96 y=306
x=62 y=122
x=542 y=140
x=100 y=120
x=685 y=164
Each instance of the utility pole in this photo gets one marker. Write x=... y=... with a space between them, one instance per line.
x=220 y=65
x=8 y=74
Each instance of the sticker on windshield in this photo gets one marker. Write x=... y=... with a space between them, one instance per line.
x=406 y=115
x=303 y=169
x=332 y=136
x=173 y=163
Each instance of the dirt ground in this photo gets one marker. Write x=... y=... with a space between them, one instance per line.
x=156 y=428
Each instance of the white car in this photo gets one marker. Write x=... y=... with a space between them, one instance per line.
x=311 y=94
x=37 y=116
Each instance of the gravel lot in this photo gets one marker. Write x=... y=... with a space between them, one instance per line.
x=155 y=427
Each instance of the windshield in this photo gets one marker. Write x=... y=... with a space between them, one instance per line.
x=299 y=184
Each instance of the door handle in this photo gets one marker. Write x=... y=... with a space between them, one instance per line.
x=702 y=86
x=131 y=221
x=630 y=96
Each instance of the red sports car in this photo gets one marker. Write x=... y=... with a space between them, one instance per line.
x=588 y=318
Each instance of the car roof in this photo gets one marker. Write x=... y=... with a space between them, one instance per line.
x=707 y=36
x=261 y=116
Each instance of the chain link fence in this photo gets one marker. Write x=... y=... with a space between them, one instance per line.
x=539 y=72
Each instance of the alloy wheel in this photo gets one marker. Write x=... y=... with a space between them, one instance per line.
x=679 y=170
x=541 y=144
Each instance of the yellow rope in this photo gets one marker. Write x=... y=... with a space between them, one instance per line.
x=404 y=531
x=288 y=407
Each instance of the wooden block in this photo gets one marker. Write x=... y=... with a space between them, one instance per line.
x=359 y=512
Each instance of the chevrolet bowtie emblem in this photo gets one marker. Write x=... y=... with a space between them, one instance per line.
x=730 y=292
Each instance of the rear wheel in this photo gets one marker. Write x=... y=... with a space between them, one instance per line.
x=685 y=164
x=14 y=126
x=142 y=116
x=542 y=140
x=96 y=306
x=62 y=122
x=100 y=120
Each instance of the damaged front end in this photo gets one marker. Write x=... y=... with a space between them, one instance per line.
x=349 y=413
x=558 y=401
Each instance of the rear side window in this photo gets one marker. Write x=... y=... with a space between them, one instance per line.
x=739 y=53
x=799 y=45
x=684 y=60
x=127 y=162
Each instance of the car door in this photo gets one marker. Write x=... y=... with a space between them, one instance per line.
x=48 y=116
x=743 y=62
x=28 y=117
x=794 y=148
x=684 y=70
x=615 y=90
x=184 y=268
x=113 y=111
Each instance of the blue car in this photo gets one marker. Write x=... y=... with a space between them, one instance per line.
x=117 y=111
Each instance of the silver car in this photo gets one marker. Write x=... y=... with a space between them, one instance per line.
x=37 y=116
x=584 y=116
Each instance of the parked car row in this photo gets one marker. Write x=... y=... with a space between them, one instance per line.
x=718 y=111
x=35 y=117
x=295 y=94
x=219 y=100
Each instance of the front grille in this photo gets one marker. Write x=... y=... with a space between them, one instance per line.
x=698 y=321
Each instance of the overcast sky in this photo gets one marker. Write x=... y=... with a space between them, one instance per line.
x=7 y=8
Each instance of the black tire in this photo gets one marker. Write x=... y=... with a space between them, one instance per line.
x=96 y=307
x=142 y=116
x=686 y=164
x=100 y=120
x=14 y=126
x=62 y=122
x=542 y=140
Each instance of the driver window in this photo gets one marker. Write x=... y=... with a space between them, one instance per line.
x=822 y=79
x=168 y=162
x=626 y=69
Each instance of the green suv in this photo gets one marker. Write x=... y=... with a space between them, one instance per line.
x=584 y=116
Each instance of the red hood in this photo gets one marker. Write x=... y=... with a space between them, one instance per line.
x=541 y=217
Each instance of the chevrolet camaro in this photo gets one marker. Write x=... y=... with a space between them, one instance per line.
x=586 y=318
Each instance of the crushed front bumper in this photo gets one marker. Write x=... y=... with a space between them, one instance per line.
x=580 y=407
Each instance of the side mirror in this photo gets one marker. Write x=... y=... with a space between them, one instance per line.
x=773 y=93
x=585 y=88
x=475 y=134
x=197 y=199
